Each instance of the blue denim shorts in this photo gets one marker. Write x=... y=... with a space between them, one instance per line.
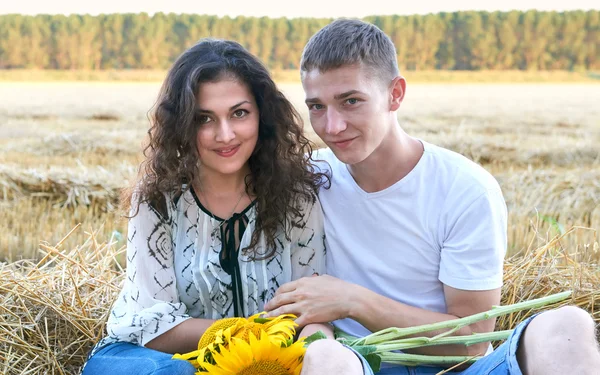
x=502 y=361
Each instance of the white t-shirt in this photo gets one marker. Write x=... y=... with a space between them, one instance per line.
x=443 y=223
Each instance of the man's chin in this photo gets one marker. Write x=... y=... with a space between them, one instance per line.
x=347 y=156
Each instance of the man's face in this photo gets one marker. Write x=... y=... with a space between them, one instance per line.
x=349 y=110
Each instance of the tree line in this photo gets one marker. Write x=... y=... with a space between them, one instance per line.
x=473 y=40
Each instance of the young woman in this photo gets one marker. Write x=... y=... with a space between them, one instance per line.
x=224 y=212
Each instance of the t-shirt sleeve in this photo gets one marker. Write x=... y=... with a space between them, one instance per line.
x=308 y=250
x=148 y=304
x=475 y=241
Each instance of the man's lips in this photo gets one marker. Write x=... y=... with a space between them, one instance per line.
x=343 y=143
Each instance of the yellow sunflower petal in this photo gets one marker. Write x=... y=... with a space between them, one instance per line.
x=256 y=316
x=257 y=356
x=285 y=327
x=186 y=356
x=196 y=357
x=218 y=370
x=237 y=358
x=220 y=325
x=244 y=332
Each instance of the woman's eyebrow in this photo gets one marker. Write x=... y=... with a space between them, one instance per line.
x=231 y=108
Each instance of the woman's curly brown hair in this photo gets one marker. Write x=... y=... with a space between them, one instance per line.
x=282 y=172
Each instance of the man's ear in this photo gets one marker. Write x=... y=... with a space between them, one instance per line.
x=397 y=90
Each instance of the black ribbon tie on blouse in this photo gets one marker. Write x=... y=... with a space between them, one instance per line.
x=232 y=232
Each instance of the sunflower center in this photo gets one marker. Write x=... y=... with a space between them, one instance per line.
x=210 y=334
x=265 y=367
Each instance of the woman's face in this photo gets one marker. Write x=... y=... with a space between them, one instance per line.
x=227 y=126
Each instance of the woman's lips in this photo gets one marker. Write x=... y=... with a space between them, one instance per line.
x=227 y=152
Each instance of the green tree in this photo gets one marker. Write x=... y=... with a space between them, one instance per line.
x=11 y=42
x=281 y=45
x=459 y=40
x=507 y=40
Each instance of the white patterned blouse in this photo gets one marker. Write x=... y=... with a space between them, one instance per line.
x=187 y=264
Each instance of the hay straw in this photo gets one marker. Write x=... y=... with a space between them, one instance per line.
x=67 y=186
x=551 y=269
x=54 y=310
x=123 y=141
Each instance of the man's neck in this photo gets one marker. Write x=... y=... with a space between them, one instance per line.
x=389 y=163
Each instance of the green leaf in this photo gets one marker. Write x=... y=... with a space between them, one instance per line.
x=342 y=336
x=374 y=361
x=319 y=335
x=262 y=320
x=365 y=350
x=553 y=222
x=368 y=352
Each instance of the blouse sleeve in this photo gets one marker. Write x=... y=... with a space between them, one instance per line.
x=148 y=304
x=308 y=247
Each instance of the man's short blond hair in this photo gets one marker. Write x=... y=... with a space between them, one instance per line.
x=347 y=42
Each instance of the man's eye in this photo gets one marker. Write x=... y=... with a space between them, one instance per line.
x=352 y=101
x=315 y=106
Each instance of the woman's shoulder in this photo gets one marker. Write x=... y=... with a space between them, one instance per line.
x=309 y=206
x=168 y=202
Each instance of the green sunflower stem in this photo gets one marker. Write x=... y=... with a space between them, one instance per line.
x=418 y=342
x=389 y=334
x=417 y=359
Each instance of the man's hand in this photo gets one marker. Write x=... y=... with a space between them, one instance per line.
x=317 y=299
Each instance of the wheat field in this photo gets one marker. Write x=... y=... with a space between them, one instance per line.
x=66 y=148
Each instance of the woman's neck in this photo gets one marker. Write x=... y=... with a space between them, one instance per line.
x=222 y=185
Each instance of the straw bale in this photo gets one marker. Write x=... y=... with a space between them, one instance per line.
x=68 y=186
x=53 y=311
x=552 y=269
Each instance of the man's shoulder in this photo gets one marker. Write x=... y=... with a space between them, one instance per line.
x=325 y=159
x=459 y=171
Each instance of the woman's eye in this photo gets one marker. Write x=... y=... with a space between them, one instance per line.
x=240 y=113
x=203 y=119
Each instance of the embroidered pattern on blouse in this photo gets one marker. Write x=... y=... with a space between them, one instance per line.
x=174 y=270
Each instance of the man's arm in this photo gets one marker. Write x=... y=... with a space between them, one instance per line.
x=471 y=257
x=325 y=298
x=377 y=312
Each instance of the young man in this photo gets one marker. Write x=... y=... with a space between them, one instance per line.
x=416 y=233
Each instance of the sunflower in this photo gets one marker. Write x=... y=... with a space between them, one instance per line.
x=279 y=330
x=211 y=337
x=216 y=330
x=257 y=356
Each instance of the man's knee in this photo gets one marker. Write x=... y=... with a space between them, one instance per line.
x=567 y=320
x=329 y=355
x=322 y=350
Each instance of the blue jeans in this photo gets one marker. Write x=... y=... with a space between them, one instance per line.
x=123 y=358
x=502 y=361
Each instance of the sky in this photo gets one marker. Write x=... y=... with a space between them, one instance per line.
x=283 y=8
